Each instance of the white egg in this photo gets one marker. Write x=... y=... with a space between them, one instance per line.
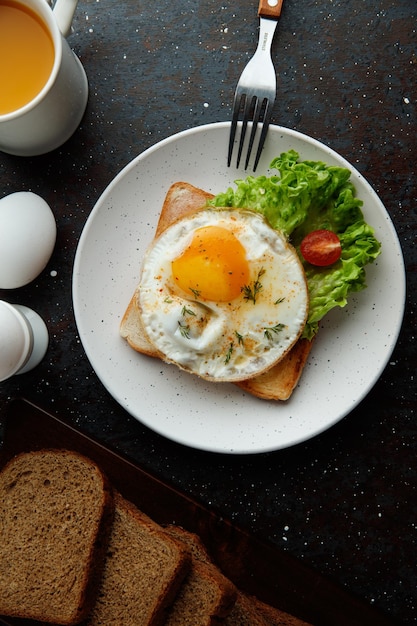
x=223 y=295
x=27 y=238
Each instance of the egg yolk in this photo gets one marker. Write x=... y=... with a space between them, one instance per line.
x=213 y=267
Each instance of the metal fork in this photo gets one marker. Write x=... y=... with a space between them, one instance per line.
x=256 y=89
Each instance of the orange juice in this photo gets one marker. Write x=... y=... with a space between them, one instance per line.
x=26 y=55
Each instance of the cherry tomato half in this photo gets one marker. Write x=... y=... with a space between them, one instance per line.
x=321 y=248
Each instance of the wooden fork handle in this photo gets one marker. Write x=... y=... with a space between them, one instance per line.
x=270 y=8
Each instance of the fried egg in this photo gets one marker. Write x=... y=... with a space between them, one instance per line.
x=222 y=294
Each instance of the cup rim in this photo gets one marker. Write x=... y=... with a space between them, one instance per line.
x=44 y=10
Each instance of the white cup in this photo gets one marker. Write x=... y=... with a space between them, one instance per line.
x=23 y=339
x=53 y=115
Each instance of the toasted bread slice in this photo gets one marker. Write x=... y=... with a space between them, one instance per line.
x=181 y=199
x=56 y=510
x=280 y=380
x=143 y=572
x=132 y=329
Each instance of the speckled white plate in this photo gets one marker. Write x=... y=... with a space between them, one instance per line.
x=352 y=348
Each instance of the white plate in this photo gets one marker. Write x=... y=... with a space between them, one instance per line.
x=351 y=350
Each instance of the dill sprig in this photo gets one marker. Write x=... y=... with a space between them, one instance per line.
x=186 y=311
x=250 y=292
x=195 y=292
x=229 y=354
x=268 y=332
x=239 y=337
x=184 y=330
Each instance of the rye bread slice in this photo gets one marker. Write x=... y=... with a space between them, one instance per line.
x=56 y=509
x=249 y=611
x=245 y=613
x=206 y=597
x=143 y=571
x=246 y=610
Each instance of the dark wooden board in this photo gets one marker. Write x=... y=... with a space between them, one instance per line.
x=256 y=567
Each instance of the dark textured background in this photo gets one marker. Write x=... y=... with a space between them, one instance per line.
x=344 y=502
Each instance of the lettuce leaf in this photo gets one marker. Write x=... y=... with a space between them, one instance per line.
x=306 y=196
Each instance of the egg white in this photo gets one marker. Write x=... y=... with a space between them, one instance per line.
x=225 y=341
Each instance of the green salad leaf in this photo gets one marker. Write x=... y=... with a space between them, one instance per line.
x=306 y=196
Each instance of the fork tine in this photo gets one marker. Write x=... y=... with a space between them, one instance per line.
x=235 y=117
x=256 y=117
x=246 y=116
x=267 y=118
